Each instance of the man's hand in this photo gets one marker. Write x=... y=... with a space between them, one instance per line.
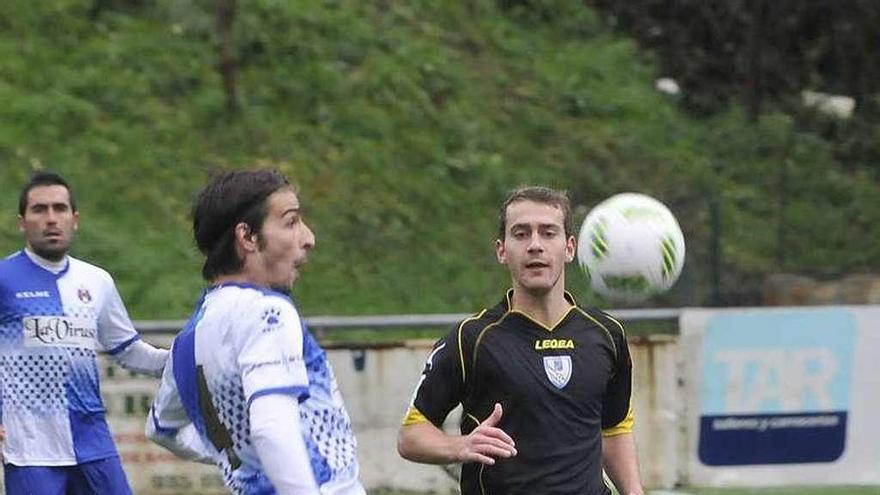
x=487 y=441
x=2 y=434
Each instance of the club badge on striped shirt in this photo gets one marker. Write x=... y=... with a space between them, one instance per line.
x=558 y=369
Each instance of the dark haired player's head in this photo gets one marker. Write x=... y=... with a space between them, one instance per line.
x=40 y=179
x=228 y=200
x=47 y=215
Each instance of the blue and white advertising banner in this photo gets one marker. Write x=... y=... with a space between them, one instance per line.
x=782 y=396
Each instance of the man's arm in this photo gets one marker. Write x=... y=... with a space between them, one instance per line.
x=274 y=378
x=183 y=442
x=122 y=342
x=277 y=437
x=142 y=357
x=424 y=442
x=169 y=426
x=618 y=418
x=621 y=464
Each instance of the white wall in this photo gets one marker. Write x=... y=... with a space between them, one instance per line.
x=670 y=395
x=377 y=398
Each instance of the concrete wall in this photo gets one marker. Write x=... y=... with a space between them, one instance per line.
x=377 y=385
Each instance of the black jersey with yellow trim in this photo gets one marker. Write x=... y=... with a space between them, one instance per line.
x=560 y=387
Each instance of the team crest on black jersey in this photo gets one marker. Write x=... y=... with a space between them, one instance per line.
x=84 y=295
x=558 y=369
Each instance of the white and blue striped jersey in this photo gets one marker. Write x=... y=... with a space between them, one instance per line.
x=241 y=343
x=52 y=322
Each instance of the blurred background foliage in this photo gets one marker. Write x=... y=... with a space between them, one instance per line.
x=405 y=123
x=761 y=54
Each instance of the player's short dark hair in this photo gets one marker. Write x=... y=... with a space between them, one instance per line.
x=538 y=194
x=39 y=179
x=228 y=199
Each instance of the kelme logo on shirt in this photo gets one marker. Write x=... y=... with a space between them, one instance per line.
x=60 y=331
x=32 y=294
x=540 y=345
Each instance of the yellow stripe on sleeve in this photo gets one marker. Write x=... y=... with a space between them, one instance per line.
x=414 y=416
x=625 y=426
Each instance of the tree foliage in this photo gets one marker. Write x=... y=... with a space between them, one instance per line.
x=761 y=54
x=752 y=50
x=404 y=123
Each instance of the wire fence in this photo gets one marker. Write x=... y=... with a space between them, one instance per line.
x=331 y=323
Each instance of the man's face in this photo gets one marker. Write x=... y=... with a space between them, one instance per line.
x=49 y=221
x=284 y=241
x=535 y=247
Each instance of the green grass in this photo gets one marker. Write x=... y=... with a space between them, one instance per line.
x=404 y=123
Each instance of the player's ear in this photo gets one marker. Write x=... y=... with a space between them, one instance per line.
x=570 y=249
x=500 y=253
x=245 y=237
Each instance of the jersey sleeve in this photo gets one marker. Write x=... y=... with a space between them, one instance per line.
x=142 y=357
x=441 y=386
x=115 y=329
x=276 y=434
x=617 y=411
x=270 y=357
x=169 y=426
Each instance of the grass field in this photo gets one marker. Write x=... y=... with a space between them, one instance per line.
x=854 y=490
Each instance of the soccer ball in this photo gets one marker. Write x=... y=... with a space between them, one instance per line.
x=630 y=248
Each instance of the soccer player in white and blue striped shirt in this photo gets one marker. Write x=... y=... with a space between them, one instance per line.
x=56 y=312
x=247 y=387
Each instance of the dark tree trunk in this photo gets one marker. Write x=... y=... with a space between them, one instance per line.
x=755 y=66
x=226 y=10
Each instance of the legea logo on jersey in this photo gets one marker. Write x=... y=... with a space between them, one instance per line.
x=61 y=331
x=775 y=387
x=543 y=344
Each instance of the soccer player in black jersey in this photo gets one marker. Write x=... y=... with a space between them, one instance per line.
x=544 y=384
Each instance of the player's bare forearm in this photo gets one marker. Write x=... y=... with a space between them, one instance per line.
x=621 y=463
x=424 y=442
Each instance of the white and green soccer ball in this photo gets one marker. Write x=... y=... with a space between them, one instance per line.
x=630 y=248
